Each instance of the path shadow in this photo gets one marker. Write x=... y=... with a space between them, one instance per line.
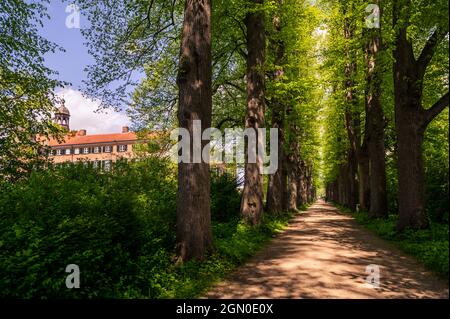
x=324 y=254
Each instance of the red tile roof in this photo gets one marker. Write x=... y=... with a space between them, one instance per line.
x=73 y=139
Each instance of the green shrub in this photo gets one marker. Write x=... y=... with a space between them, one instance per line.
x=119 y=228
x=225 y=198
x=102 y=222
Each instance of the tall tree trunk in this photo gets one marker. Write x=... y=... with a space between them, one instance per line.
x=292 y=158
x=309 y=186
x=252 y=197
x=363 y=179
x=343 y=185
x=411 y=197
x=352 y=121
x=194 y=235
x=411 y=119
x=276 y=187
x=352 y=171
x=292 y=187
x=339 y=193
x=375 y=126
x=408 y=92
x=408 y=124
x=301 y=185
x=335 y=191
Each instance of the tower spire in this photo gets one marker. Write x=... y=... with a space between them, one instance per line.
x=62 y=116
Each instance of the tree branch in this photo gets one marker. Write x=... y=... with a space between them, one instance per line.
x=436 y=109
x=430 y=48
x=236 y=86
x=228 y=119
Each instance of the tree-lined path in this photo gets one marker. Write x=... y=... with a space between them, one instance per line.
x=324 y=254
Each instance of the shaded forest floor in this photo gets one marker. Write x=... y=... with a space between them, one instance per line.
x=324 y=254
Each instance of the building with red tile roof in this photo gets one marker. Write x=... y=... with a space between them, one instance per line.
x=100 y=149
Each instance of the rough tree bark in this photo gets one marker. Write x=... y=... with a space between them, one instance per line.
x=292 y=183
x=252 y=196
x=292 y=159
x=352 y=186
x=411 y=119
x=363 y=176
x=375 y=126
x=352 y=121
x=276 y=187
x=312 y=189
x=302 y=197
x=194 y=235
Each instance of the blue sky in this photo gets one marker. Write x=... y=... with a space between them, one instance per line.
x=70 y=65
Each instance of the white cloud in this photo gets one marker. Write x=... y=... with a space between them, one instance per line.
x=83 y=115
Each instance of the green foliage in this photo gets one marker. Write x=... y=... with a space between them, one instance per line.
x=294 y=81
x=102 y=222
x=126 y=38
x=425 y=16
x=119 y=228
x=436 y=158
x=27 y=97
x=225 y=198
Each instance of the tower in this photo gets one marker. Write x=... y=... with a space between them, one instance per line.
x=62 y=117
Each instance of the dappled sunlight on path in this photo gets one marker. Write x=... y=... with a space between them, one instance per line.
x=324 y=254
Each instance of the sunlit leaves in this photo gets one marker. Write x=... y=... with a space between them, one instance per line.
x=27 y=86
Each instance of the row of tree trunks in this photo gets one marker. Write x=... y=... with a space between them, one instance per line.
x=357 y=155
x=300 y=183
x=366 y=152
x=302 y=188
x=310 y=189
x=342 y=190
x=411 y=121
x=291 y=186
x=194 y=233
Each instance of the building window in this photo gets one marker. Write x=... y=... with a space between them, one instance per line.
x=58 y=152
x=107 y=166
x=96 y=164
x=77 y=151
x=86 y=150
x=96 y=150
x=122 y=148
x=108 y=149
x=68 y=151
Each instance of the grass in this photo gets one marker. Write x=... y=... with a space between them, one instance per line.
x=428 y=246
x=235 y=243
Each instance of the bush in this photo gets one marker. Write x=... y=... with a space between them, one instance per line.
x=119 y=228
x=225 y=198
x=102 y=222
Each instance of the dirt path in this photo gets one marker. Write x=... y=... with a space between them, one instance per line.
x=324 y=254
